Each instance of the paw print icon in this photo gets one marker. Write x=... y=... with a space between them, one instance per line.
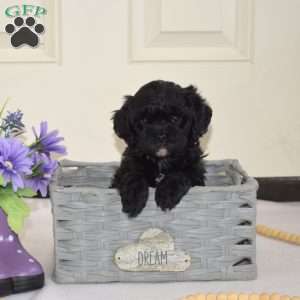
x=24 y=32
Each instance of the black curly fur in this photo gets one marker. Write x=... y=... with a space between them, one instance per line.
x=161 y=125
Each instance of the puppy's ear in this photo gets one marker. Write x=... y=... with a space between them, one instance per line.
x=201 y=111
x=121 y=121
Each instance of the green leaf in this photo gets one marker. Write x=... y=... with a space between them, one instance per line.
x=1 y=180
x=14 y=207
x=26 y=192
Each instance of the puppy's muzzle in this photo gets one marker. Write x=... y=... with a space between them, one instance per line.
x=162 y=152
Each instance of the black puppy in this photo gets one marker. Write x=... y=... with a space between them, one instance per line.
x=161 y=125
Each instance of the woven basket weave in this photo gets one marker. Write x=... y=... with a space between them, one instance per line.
x=215 y=224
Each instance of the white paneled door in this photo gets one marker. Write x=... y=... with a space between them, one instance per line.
x=191 y=30
x=243 y=55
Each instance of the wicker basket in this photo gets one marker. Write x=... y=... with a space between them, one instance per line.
x=214 y=224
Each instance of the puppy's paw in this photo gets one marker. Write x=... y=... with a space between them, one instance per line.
x=132 y=210
x=170 y=191
x=134 y=198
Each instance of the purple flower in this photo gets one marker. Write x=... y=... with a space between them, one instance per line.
x=42 y=172
x=12 y=124
x=14 y=162
x=47 y=142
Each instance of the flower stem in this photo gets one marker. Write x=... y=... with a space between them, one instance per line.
x=2 y=111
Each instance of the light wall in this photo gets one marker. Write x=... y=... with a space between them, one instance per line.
x=256 y=104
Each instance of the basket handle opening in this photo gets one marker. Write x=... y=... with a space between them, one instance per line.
x=244 y=242
x=243 y=262
x=245 y=223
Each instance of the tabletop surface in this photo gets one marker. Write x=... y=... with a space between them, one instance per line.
x=278 y=263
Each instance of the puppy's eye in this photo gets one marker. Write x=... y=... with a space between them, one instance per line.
x=174 y=119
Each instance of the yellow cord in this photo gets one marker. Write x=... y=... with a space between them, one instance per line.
x=234 y=296
x=278 y=234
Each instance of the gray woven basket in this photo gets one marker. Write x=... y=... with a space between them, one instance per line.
x=214 y=224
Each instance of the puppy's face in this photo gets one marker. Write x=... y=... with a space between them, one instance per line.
x=162 y=119
x=162 y=130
